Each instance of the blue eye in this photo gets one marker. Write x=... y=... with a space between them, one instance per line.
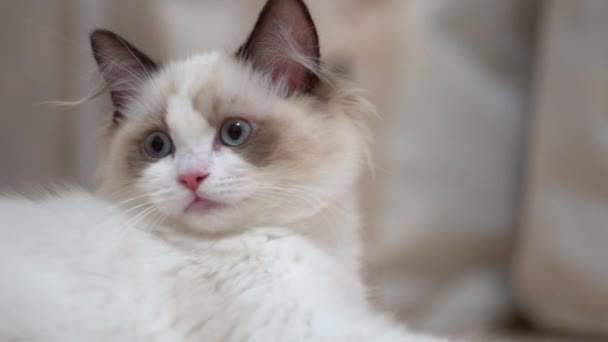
x=235 y=132
x=158 y=145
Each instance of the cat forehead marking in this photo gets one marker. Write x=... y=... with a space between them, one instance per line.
x=187 y=125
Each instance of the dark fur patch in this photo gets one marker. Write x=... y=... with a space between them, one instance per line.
x=123 y=67
x=137 y=159
x=267 y=54
x=261 y=149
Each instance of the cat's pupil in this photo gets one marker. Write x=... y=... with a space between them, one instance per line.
x=235 y=131
x=157 y=144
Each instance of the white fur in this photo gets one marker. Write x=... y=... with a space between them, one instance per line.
x=68 y=279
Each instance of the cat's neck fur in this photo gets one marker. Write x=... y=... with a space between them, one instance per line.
x=335 y=229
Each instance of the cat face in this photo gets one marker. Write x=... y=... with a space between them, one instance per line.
x=219 y=142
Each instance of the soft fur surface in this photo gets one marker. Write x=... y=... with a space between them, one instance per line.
x=67 y=279
x=265 y=247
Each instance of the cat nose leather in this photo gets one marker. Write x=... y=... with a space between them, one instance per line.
x=192 y=180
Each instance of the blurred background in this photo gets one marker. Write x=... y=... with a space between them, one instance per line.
x=488 y=214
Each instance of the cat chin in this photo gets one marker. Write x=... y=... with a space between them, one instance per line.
x=216 y=220
x=201 y=206
x=226 y=219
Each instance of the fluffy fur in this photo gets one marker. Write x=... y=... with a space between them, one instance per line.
x=276 y=256
x=67 y=279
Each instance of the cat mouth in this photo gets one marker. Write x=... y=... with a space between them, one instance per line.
x=201 y=205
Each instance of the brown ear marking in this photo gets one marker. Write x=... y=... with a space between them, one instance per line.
x=123 y=67
x=268 y=54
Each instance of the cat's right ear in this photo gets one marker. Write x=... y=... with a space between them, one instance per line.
x=284 y=45
x=123 y=66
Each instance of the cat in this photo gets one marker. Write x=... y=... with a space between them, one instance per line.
x=226 y=209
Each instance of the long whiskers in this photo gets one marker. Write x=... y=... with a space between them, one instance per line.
x=294 y=194
x=135 y=220
x=129 y=209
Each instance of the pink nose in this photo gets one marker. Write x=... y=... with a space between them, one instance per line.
x=192 y=180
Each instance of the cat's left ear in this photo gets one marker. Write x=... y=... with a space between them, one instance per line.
x=123 y=66
x=284 y=44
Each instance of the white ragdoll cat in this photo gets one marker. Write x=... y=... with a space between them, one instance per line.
x=226 y=210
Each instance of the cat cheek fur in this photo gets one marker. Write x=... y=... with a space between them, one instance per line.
x=228 y=183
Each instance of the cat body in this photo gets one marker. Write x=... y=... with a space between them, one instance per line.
x=226 y=209
x=65 y=279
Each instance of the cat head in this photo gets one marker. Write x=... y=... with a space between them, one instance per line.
x=221 y=142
